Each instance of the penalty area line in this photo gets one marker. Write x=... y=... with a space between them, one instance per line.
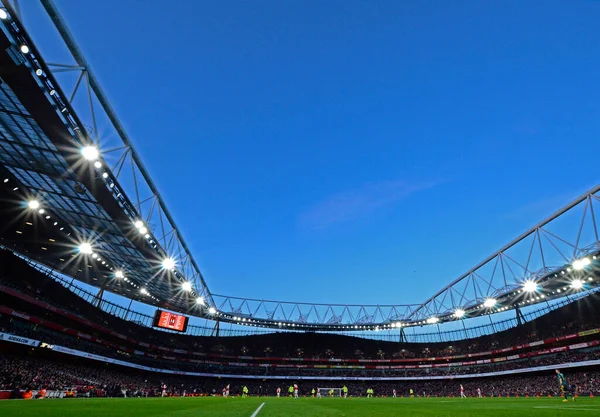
x=257 y=410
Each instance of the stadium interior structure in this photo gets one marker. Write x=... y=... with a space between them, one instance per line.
x=75 y=216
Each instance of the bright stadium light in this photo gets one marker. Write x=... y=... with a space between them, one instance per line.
x=85 y=248
x=577 y=284
x=168 y=264
x=3 y=15
x=459 y=313
x=139 y=224
x=579 y=264
x=25 y=49
x=143 y=230
x=144 y=291
x=186 y=286
x=90 y=153
x=98 y=164
x=200 y=300
x=119 y=274
x=33 y=204
x=432 y=320
x=212 y=310
x=489 y=302
x=530 y=286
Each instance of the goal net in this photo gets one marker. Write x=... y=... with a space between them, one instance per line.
x=329 y=392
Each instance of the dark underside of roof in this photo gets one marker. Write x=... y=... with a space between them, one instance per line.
x=40 y=158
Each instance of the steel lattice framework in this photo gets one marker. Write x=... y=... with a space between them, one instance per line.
x=49 y=110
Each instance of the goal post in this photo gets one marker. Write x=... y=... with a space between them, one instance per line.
x=329 y=392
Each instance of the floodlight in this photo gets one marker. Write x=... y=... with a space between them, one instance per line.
x=139 y=224
x=90 y=153
x=530 y=286
x=432 y=320
x=143 y=230
x=489 y=302
x=3 y=14
x=25 y=49
x=144 y=291
x=577 y=284
x=212 y=310
x=168 y=264
x=39 y=72
x=105 y=175
x=119 y=274
x=186 y=286
x=33 y=204
x=85 y=248
x=459 y=313
x=579 y=264
x=98 y=164
x=200 y=300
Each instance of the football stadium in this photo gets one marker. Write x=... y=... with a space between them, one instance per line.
x=104 y=309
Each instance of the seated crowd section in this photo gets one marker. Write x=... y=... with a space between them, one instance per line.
x=37 y=307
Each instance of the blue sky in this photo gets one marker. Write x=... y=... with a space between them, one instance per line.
x=349 y=151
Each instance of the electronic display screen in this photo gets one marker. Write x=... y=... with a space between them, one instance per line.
x=171 y=321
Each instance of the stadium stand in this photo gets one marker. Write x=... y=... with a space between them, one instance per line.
x=37 y=308
x=46 y=369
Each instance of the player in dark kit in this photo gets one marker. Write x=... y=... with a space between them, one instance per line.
x=564 y=387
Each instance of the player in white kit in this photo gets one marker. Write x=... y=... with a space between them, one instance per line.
x=278 y=391
x=462 y=392
x=394 y=391
x=479 y=392
x=295 y=390
x=318 y=392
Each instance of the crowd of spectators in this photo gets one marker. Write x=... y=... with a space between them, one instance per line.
x=183 y=363
x=20 y=371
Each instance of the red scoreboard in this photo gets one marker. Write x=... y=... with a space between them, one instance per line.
x=171 y=321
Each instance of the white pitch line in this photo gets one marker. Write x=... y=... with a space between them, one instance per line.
x=257 y=410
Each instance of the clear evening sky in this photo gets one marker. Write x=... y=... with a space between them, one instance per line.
x=349 y=151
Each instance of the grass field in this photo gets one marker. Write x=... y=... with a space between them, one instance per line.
x=303 y=407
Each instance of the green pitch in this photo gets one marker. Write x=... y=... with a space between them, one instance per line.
x=303 y=407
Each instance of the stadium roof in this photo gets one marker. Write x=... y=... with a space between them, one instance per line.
x=41 y=143
x=116 y=209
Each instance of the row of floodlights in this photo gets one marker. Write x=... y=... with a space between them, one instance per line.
x=528 y=286
x=85 y=248
x=92 y=154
